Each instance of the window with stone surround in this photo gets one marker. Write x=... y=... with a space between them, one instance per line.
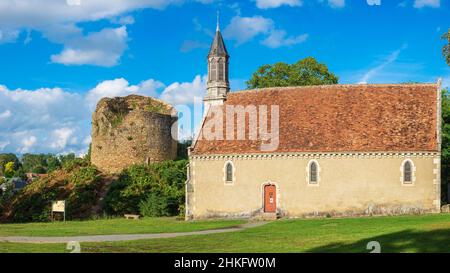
x=221 y=69
x=313 y=173
x=213 y=72
x=408 y=172
x=229 y=170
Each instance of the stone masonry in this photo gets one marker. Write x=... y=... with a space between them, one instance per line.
x=132 y=130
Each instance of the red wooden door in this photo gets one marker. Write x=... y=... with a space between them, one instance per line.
x=270 y=198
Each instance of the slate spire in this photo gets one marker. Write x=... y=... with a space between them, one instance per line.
x=218 y=84
x=218 y=47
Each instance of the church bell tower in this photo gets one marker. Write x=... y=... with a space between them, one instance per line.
x=218 y=84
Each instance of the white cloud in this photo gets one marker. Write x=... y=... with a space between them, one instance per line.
x=34 y=114
x=244 y=29
x=58 y=20
x=8 y=36
x=61 y=137
x=102 y=48
x=124 y=20
x=336 y=3
x=3 y=144
x=278 y=39
x=119 y=88
x=39 y=14
x=56 y=121
x=374 y=2
x=427 y=3
x=184 y=93
x=373 y=72
x=27 y=143
x=268 y=4
x=5 y=115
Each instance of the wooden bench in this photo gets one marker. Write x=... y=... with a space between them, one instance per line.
x=132 y=216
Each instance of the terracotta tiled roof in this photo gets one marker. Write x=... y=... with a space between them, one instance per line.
x=341 y=118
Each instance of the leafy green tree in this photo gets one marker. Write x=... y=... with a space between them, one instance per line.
x=39 y=170
x=20 y=173
x=446 y=48
x=32 y=161
x=9 y=169
x=305 y=72
x=182 y=149
x=53 y=164
x=40 y=163
x=5 y=158
x=67 y=159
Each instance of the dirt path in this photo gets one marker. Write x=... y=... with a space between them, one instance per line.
x=121 y=237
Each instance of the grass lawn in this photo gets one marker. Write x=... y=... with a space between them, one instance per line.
x=427 y=233
x=110 y=227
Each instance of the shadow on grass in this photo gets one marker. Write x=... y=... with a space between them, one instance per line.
x=435 y=241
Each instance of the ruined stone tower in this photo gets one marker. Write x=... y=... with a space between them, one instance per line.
x=132 y=130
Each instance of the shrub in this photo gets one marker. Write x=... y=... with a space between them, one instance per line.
x=155 y=205
x=156 y=189
x=70 y=165
x=79 y=188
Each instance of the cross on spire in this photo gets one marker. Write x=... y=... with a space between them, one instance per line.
x=218 y=21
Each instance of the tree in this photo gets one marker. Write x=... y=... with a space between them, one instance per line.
x=446 y=48
x=9 y=169
x=182 y=149
x=5 y=158
x=31 y=161
x=53 y=164
x=305 y=72
x=67 y=159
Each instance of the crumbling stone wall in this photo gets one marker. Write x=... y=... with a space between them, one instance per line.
x=132 y=130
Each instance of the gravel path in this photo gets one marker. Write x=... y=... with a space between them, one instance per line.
x=121 y=237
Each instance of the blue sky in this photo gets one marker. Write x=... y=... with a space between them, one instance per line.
x=59 y=57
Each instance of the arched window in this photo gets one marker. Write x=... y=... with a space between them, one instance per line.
x=408 y=170
x=407 y=173
x=313 y=173
x=213 y=72
x=221 y=70
x=229 y=173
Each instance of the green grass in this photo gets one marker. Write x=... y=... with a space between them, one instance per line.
x=110 y=227
x=427 y=233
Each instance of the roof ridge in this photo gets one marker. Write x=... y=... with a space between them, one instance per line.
x=327 y=86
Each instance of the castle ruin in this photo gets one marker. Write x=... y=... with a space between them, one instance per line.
x=132 y=130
